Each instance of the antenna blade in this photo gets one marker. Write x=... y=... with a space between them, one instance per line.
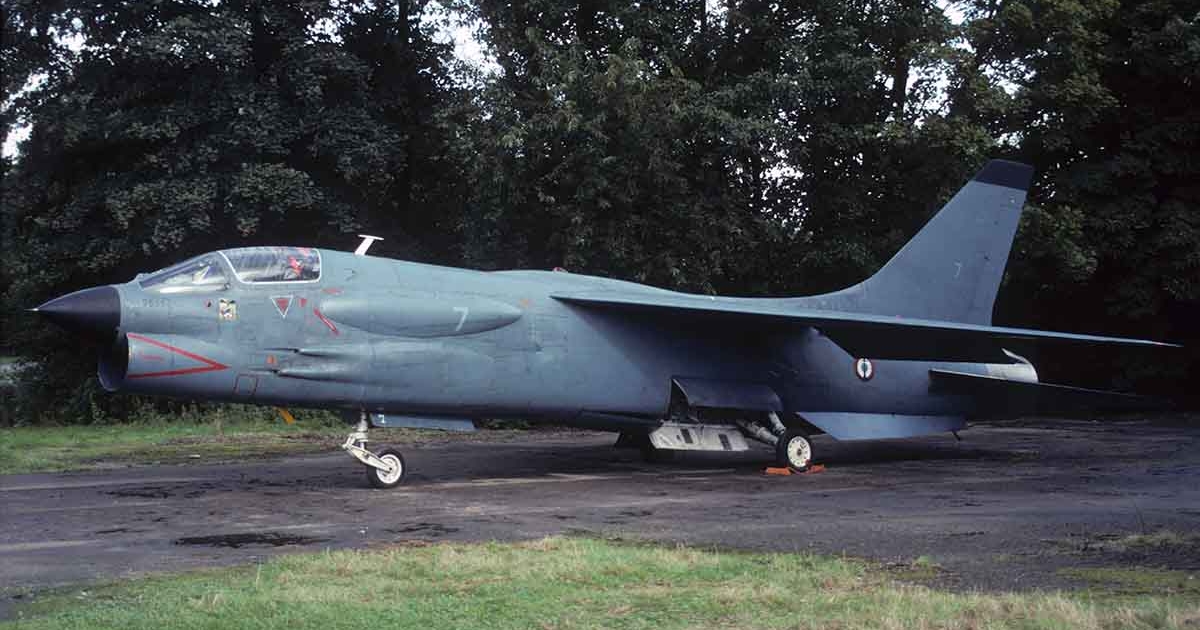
x=366 y=243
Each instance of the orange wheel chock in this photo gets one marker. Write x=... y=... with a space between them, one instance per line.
x=787 y=470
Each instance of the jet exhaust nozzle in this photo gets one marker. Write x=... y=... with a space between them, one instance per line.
x=94 y=311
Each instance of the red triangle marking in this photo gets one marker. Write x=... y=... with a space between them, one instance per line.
x=282 y=304
x=209 y=364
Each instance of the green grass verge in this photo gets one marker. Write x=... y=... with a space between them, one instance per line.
x=230 y=432
x=1162 y=540
x=574 y=583
x=44 y=449
x=1138 y=581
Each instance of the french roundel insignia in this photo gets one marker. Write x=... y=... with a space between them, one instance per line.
x=864 y=369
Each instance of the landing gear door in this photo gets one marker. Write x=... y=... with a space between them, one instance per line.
x=699 y=393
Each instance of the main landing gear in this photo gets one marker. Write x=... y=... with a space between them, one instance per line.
x=792 y=447
x=386 y=468
x=793 y=450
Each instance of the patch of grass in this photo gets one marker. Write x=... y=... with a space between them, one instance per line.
x=228 y=432
x=44 y=449
x=1137 y=581
x=1162 y=540
x=572 y=583
x=922 y=569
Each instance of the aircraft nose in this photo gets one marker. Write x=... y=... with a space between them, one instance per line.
x=96 y=310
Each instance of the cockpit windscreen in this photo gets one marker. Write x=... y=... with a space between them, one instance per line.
x=275 y=264
x=202 y=273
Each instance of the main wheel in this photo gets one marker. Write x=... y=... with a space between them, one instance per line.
x=382 y=478
x=794 y=450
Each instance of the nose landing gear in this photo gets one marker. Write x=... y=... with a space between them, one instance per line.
x=386 y=468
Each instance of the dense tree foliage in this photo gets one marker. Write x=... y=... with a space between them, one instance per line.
x=183 y=124
x=744 y=147
x=1104 y=103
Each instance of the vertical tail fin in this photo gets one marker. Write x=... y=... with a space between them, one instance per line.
x=951 y=270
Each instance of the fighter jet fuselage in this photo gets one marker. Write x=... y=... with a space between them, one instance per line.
x=910 y=351
x=400 y=337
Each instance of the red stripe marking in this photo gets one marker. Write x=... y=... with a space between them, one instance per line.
x=317 y=312
x=209 y=364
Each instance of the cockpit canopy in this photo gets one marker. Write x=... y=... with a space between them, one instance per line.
x=248 y=264
x=275 y=264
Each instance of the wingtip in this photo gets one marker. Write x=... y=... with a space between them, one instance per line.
x=1151 y=344
x=1006 y=173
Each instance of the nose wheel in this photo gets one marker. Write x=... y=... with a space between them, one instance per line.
x=386 y=468
x=391 y=478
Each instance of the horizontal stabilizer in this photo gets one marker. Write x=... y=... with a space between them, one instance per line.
x=1000 y=397
x=880 y=426
x=860 y=334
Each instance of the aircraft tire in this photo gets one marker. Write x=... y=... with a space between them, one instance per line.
x=794 y=450
x=381 y=479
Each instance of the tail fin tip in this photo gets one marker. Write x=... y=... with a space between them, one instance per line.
x=952 y=268
x=1006 y=173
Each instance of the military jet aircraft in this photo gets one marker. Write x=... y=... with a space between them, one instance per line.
x=909 y=351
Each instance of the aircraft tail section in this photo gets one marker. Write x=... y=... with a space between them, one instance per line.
x=951 y=270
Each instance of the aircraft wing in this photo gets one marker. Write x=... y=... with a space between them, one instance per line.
x=1007 y=397
x=860 y=334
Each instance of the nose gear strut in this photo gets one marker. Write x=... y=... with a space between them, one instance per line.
x=385 y=469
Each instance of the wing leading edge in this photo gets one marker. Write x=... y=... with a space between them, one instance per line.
x=860 y=334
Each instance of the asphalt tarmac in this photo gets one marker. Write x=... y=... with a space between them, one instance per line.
x=1003 y=509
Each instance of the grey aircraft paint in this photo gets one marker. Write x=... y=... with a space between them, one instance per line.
x=909 y=351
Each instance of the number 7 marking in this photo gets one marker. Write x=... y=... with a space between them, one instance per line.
x=461 y=320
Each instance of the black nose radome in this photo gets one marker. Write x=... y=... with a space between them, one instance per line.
x=95 y=310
